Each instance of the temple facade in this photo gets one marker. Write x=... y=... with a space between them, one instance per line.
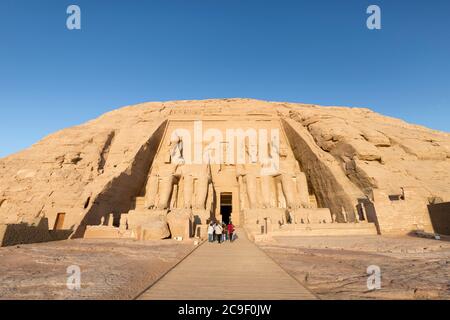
x=225 y=168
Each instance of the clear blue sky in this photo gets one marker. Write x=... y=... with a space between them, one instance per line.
x=145 y=50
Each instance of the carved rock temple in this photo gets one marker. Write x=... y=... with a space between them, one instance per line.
x=161 y=170
x=196 y=178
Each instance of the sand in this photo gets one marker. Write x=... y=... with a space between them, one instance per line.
x=110 y=269
x=336 y=267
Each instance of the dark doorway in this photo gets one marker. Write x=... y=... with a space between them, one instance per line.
x=59 y=222
x=440 y=217
x=226 y=206
x=371 y=213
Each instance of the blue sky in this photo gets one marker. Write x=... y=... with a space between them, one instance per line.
x=152 y=50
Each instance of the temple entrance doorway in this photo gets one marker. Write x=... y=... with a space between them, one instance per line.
x=226 y=206
x=59 y=222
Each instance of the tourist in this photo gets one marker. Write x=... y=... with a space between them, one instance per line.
x=230 y=231
x=218 y=230
x=211 y=232
x=224 y=232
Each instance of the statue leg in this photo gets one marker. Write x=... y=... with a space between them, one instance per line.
x=303 y=189
x=151 y=191
x=202 y=192
x=251 y=190
x=187 y=191
x=288 y=189
x=166 y=192
x=266 y=186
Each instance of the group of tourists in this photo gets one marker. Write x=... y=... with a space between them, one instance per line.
x=220 y=232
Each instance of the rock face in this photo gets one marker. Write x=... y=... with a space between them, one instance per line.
x=85 y=172
x=355 y=162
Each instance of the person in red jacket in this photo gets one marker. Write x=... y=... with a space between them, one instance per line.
x=230 y=231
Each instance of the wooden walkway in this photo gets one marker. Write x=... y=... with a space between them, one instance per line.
x=229 y=271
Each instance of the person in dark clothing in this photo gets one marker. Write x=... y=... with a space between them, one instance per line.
x=230 y=231
x=224 y=232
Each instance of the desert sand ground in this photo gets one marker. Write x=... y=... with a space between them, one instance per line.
x=330 y=267
x=336 y=267
x=110 y=269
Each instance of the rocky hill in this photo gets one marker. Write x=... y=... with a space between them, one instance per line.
x=101 y=164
